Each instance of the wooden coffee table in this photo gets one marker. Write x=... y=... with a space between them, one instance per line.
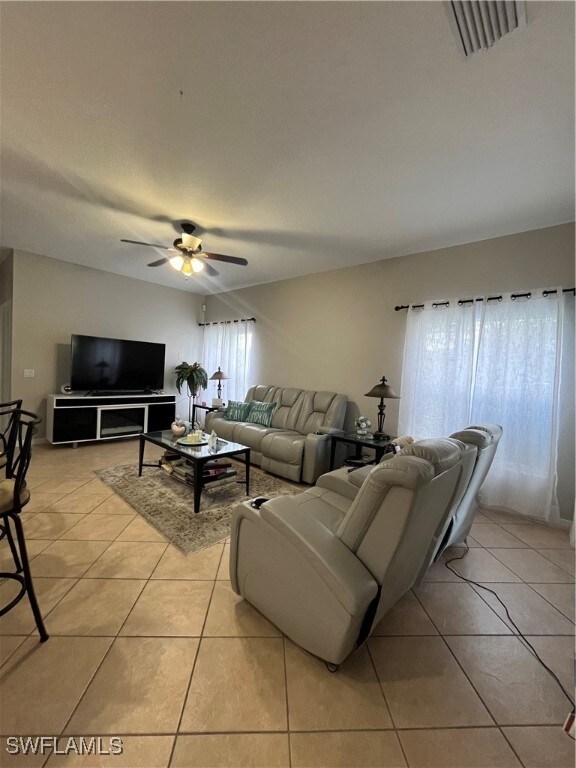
x=197 y=455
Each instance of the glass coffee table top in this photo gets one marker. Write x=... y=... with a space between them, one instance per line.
x=169 y=441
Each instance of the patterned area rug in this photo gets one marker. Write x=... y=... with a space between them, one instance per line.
x=167 y=504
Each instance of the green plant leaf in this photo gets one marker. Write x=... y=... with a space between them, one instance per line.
x=192 y=374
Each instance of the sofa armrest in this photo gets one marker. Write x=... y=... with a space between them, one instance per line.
x=316 y=460
x=339 y=481
x=329 y=431
x=210 y=415
x=336 y=565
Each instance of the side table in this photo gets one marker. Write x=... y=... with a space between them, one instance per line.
x=359 y=441
x=207 y=408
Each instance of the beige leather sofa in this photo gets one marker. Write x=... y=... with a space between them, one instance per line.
x=296 y=445
x=325 y=565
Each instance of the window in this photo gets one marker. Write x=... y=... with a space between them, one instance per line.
x=228 y=345
x=498 y=362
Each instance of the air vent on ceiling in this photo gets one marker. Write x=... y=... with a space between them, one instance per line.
x=480 y=23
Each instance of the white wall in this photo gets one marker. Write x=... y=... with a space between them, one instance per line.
x=6 y=283
x=53 y=299
x=338 y=330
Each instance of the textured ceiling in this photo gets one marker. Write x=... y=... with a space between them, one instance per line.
x=301 y=136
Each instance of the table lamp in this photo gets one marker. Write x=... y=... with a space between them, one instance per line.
x=218 y=376
x=382 y=390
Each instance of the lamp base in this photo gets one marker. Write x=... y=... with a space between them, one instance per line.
x=381 y=436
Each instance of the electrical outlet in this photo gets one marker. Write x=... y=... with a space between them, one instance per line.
x=28 y=373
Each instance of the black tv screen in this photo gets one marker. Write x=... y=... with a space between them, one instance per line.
x=116 y=364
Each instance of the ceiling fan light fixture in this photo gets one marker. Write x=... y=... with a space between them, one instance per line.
x=190 y=242
x=187 y=268
x=187 y=255
x=177 y=262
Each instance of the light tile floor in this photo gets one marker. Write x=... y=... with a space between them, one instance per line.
x=155 y=647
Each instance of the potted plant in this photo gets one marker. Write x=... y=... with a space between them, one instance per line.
x=195 y=377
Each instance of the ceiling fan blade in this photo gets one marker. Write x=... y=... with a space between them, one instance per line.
x=152 y=245
x=221 y=257
x=210 y=271
x=157 y=263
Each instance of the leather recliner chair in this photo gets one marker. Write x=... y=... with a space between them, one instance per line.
x=479 y=442
x=486 y=438
x=325 y=567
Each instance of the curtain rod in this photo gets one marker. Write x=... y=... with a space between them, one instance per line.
x=461 y=302
x=227 y=322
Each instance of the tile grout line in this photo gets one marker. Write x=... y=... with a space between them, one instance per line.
x=531 y=585
x=114 y=637
x=534 y=549
x=399 y=729
x=505 y=619
x=545 y=549
x=90 y=681
x=287 y=701
x=215 y=581
x=464 y=634
x=530 y=549
x=484 y=704
x=501 y=729
x=514 y=635
x=394 y=728
x=187 y=692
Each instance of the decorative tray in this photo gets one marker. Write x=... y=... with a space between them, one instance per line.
x=191 y=443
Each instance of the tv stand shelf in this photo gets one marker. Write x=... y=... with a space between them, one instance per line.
x=80 y=418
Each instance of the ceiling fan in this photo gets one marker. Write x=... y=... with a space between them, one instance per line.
x=188 y=255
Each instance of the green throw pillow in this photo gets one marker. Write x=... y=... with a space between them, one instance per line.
x=237 y=411
x=261 y=413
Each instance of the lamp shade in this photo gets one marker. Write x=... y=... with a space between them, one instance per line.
x=382 y=389
x=218 y=375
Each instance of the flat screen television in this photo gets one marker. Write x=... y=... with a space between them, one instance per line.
x=119 y=365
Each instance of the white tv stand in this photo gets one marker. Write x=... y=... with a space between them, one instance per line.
x=78 y=418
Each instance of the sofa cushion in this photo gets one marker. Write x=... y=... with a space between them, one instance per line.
x=260 y=413
x=473 y=437
x=320 y=409
x=237 y=411
x=408 y=472
x=225 y=429
x=251 y=435
x=339 y=481
x=441 y=452
x=288 y=406
x=328 y=507
x=284 y=446
x=265 y=393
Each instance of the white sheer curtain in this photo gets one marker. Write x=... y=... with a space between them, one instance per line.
x=228 y=345
x=517 y=383
x=439 y=358
x=492 y=361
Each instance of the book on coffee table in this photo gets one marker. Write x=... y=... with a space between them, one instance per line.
x=229 y=477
